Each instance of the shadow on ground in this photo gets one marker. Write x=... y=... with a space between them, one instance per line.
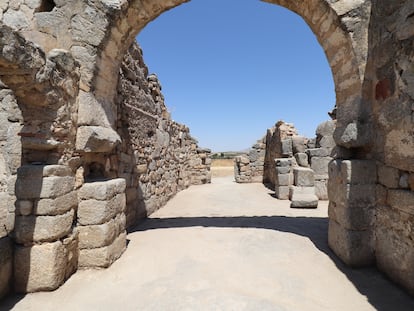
x=381 y=293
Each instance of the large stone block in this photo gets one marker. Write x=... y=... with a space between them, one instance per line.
x=39 y=267
x=96 y=139
x=326 y=128
x=102 y=190
x=94 y=212
x=33 y=228
x=357 y=218
x=402 y=200
x=388 y=176
x=319 y=152
x=320 y=165
x=33 y=187
x=303 y=177
x=299 y=144
x=302 y=159
x=103 y=257
x=303 y=197
x=353 y=171
x=282 y=192
x=287 y=148
x=355 y=248
x=6 y=269
x=96 y=236
x=348 y=195
x=321 y=189
x=57 y=206
x=395 y=256
x=284 y=180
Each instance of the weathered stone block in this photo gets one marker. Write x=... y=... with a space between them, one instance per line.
x=353 y=171
x=319 y=152
x=286 y=146
x=284 y=179
x=359 y=218
x=303 y=197
x=102 y=190
x=321 y=189
x=96 y=139
x=283 y=169
x=39 y=267
x=96 y=236
x=94 y=212
x=395 y=256
x=283 y=162
x=388 y=176
x=42 y=228
x=282 y=192
x=326 y=128
x=6 y=269
x=103 y=257
x=320 y=165
x=57 y=206
x=326 y=142
x=352 y=195
x=304 y=177
x=43 y=187
x=355 y=248
x=302 y=159
x=299 y=144
x=402 y=200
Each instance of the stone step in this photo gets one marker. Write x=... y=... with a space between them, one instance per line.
x=303 y=197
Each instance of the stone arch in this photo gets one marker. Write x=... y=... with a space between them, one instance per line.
x=344 y=43
x=70 y=56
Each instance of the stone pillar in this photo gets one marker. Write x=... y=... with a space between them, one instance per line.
x=284 y=178
x=45 y=253
x=101 y=222
x=352 y=194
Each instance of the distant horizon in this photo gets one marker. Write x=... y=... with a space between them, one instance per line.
x=232 y=79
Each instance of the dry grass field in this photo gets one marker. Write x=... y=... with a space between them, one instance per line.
x=222 y=167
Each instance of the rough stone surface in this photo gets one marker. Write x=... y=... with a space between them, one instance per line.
x=39 y=267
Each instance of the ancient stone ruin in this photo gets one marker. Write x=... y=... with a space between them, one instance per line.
x=295 y=167
x=70 y=137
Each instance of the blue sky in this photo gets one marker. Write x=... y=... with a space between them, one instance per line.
x=230 y=69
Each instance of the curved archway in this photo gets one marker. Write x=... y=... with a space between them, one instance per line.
x=328 y=22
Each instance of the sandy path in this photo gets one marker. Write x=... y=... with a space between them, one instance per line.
x=225 y=246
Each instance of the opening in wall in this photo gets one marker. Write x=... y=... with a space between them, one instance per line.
x=46 y=6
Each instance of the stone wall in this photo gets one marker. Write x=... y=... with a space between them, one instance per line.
x=157 y=157
x=266 y=163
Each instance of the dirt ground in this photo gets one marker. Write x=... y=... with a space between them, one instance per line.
x=225 y=246
x=222 y=168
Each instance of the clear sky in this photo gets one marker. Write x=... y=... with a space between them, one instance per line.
x=230 y=69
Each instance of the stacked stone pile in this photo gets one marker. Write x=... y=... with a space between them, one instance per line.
x=295 y=167
x=321 y=156
x=249 y=167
